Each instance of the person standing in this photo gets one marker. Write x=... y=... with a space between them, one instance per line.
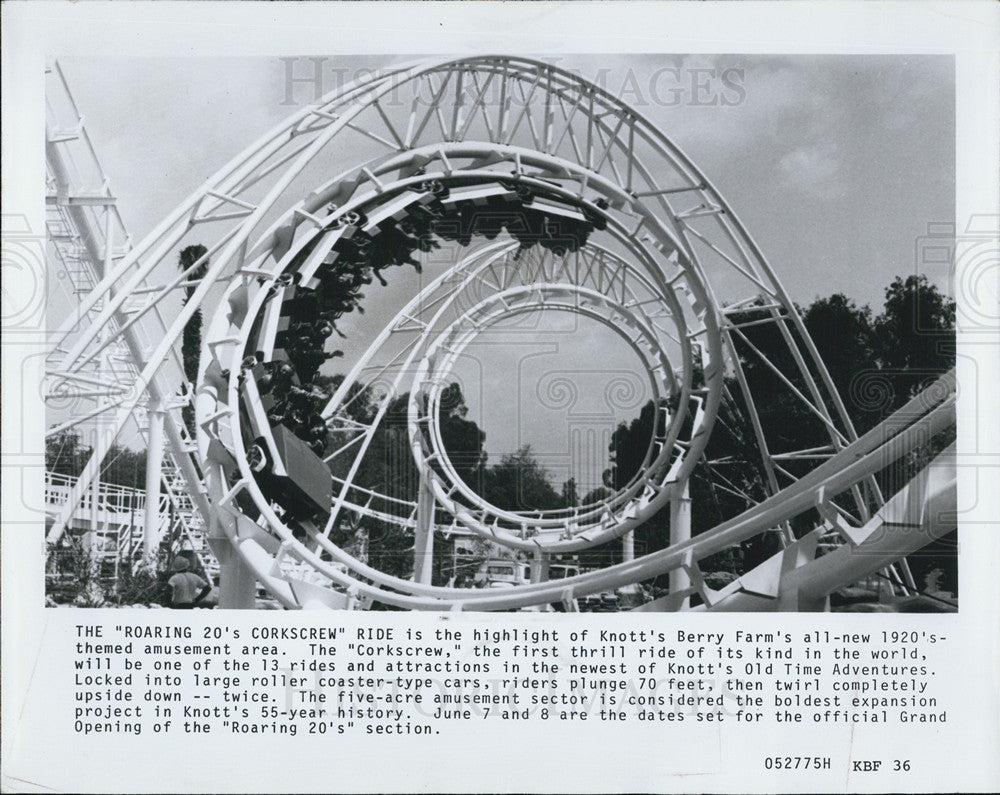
x=187 y=589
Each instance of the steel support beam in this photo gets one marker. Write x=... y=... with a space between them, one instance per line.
x=540 y=566
x=237 y=583
x=628 y=547
x=423 y=537
x=680 y=532
x=154 y=470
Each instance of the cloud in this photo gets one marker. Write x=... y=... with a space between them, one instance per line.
x=815 y=171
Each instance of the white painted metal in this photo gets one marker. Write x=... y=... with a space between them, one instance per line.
x=90 y=240
x=670 y=247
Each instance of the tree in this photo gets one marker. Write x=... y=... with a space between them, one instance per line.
x=388 y=467
x=463 y=440
x=596 y=495
x=520 y=483
x=915 y=334
x=910 y=343
x=65 y=454
x=191 y=340
x=570 y=499
x=845 y=339
x=629 y=443
x=125 y=467
x=761 y=346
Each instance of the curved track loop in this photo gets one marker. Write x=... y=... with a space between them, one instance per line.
x=594 y=211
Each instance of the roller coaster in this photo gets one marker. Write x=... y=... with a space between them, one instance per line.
x=545 y=193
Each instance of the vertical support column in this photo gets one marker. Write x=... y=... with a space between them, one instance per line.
x=100 y=447
x=93 y=542
x=680 y=531
x=423 y=537
x=540 y=566
x=237 y=584
x=629 y=593
x=628 y=547
x=95 y=484
x=154 y=467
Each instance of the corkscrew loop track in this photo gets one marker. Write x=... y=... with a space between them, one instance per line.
x=546 y=193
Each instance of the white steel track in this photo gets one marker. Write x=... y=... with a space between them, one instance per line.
x=598 y=213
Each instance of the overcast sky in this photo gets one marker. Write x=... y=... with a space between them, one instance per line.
x=835 y=164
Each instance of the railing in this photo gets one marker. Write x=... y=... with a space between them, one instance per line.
x=119 y=519
x=110 y=497
x=88 y=235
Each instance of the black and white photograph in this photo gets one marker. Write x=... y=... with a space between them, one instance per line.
x=478 y=334
x=332 y=365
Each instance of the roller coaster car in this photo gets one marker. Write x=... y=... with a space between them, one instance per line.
x=299 y=303
x=355 y=218
x=286 y=468
x=597 y=220
x=352 y=239
x=306 y=487
x=255 y=408
x=276 y=318
x=273 y=378
x=525 y=193
x=415 y=202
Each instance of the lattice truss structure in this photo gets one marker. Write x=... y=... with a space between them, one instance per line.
x=88 y=383
x=548 y=194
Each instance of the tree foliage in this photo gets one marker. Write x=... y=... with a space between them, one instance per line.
x=520 y=483
x=66 y=454
x=915 y=335
x=909 y=343
x=876 y=363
